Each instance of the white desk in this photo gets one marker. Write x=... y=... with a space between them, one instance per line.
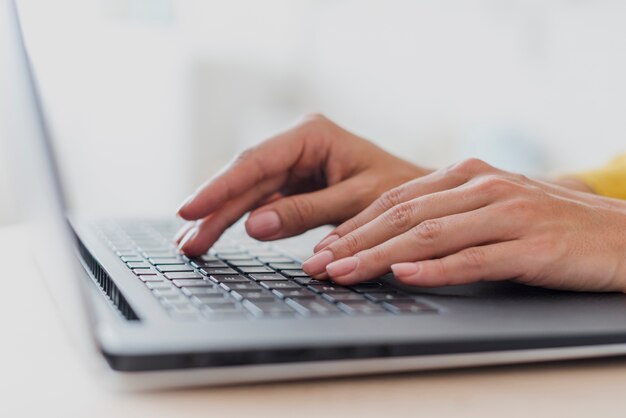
x=41 y=376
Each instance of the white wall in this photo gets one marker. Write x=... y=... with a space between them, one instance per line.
x=147 y=98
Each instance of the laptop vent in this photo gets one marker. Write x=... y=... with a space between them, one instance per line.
x=104 y=281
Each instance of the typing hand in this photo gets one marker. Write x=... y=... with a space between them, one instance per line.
x=472 y=222
x=314 y=174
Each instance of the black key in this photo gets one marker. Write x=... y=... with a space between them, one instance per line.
x=356 y=307
x=268 y=277
x=131 y=259
x=208 y=264
x=293 y=293
x=286 y=266
x=388 y=296
x=246 y=263
x=236 y=278
x=166 y=269
x=325 y=288
x=294 y=273
x=240 y=286
x=138 y=265
x=191 y=291
x=192 y=283
x=401 y=307
x=335 y=297
x=252 y=294
x=262 y=308
x=275 y=284
x=252 y=270
x=370 y=287
x=215 y=271
x=183 y=275
x=277 y=259
x=307 y=280
x=234 y=257
x=310 y=306
x=166 y=261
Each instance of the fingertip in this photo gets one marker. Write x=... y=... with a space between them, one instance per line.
x=263 y=225
x=403 y=270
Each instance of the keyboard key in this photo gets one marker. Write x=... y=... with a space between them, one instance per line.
x=172 y=269
x=246 y=263
x=158 y=254
x=400 y=307
x=193 y=291
x=256 y=269
x=275 y=284
x=360 y=307
x=132 y=259
x=216 y=271
x=168 y=294
x=310 y=306
x=145 y=272
x=308 y=280
x=192 y=283
x=183 y=275
x=263 y=308
x=138 y=265
x=371 y=287
x=210 y=298
x=286 y=266
x=220 y=308
x=240 y=286
x=166 y=261
x=150 y=278
x=236 y=278
x=234 y=257
x=208 y=264
x=252 y=294
x=294 y=273
x=388 y=296
x=209 y=258
x=293 y=293
x=159 y=285
x=268 y=277
x=325 y=288
x=263 y=253
x=277 y=259
x=336 y=297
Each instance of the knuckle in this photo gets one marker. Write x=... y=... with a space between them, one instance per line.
x=474 y=258
x=390 y=198
x=471 y=166
x=351 y=243
x=428 y=230
x=399 y=217
x=300 y=210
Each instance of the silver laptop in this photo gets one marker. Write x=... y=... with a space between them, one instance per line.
x=245 y=311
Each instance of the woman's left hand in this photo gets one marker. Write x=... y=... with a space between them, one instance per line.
x=481 y=224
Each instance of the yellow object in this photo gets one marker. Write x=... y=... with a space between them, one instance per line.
x=607 y=181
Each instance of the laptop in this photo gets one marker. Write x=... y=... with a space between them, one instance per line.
x=149 y=317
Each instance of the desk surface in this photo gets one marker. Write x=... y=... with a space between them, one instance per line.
x=40 y=375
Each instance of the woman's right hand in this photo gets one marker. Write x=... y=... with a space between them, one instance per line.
x=313 y=174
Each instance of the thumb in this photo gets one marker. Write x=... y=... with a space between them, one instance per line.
x=295 y=214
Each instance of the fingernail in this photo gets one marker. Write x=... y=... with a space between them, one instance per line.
x=317 y=264
x=183 y=231
x=263 y=224
x=188 y=237
x=326 y=242
x=404 y=269
x=342 y=267
x=185 y=203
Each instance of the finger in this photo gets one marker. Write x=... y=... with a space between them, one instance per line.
x=499 y=261
x=269 y=159
x=396 y=221
x=295 y=214
x=183 y=231
x=432 y=238
x=434 y=182
x=209 y=229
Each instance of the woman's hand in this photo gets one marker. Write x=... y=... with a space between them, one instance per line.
x=472 y=222
x=313 y=174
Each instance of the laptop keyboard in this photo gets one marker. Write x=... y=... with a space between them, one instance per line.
x=240 y=277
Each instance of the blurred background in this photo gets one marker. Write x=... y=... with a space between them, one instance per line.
x=147 y=98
